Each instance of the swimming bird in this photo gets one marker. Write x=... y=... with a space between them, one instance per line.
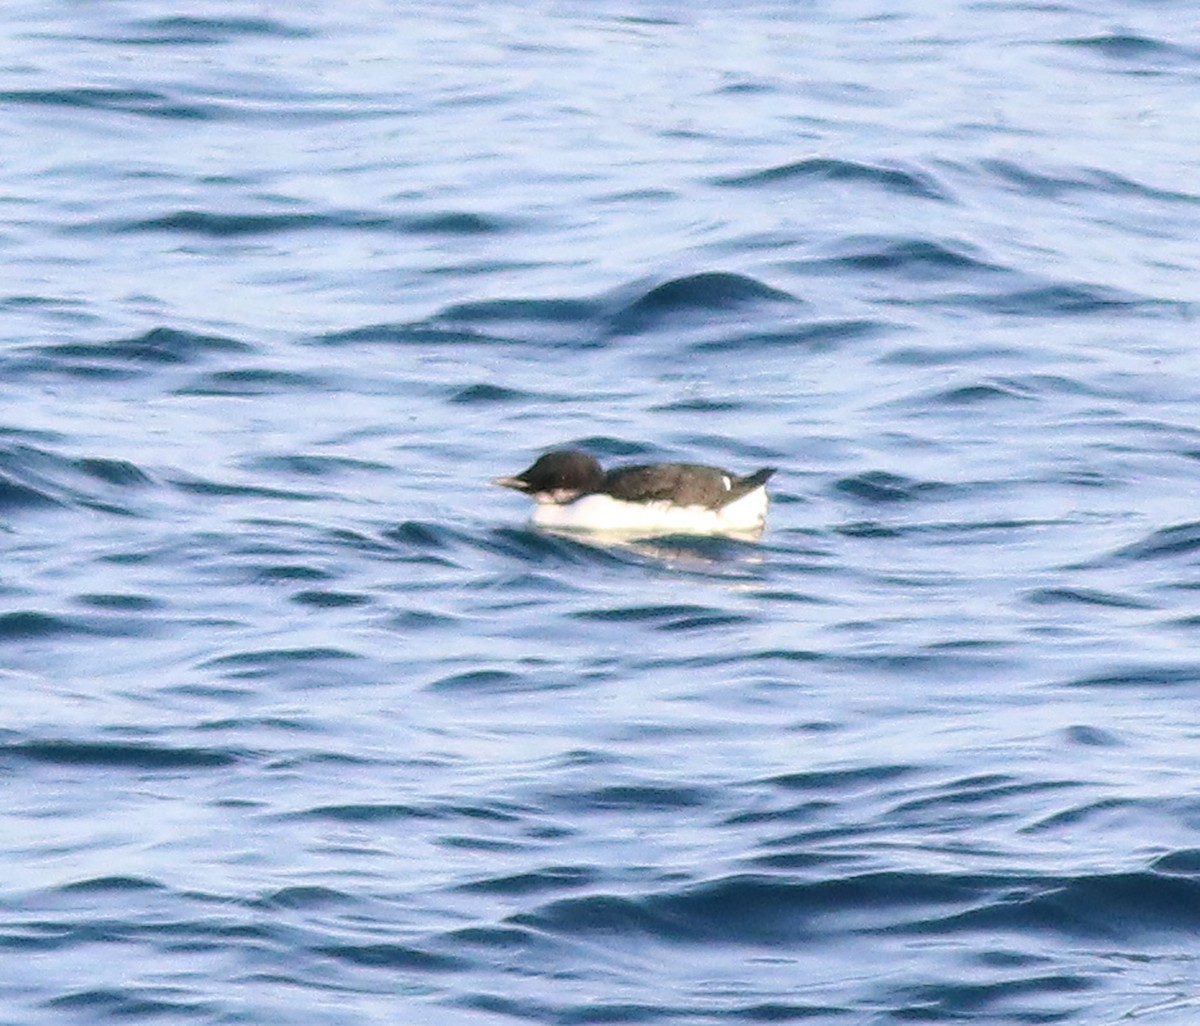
x=574 y=493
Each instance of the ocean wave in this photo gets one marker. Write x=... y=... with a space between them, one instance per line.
x=225 y=226
x=33 y=477
x=707 y=293
x=142 y=102
x=908 y=182
x=1041 y=183
x=118 y=755
x=813 y=337
x=195 y=30
x=254 y=381
x=878 y=486
x=1178 y=540
x=903 y=258
x=1141 y=51
x=122 y=358
x=768 y=910
x=1059 y=300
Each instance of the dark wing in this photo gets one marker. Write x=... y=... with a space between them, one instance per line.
x=684 y=483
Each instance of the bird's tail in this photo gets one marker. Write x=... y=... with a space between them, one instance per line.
x=752 y=481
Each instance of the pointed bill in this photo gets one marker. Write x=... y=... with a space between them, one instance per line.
x=511 y=482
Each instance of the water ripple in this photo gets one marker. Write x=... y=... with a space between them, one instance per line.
x=301 y=719
x=906 y=182
x=125 y=357
x=224 y=226
x=705 y=293
x=118 y=755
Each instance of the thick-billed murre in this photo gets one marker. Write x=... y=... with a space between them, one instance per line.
x=573 y=492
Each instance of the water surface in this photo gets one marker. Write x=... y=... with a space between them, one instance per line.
x=303 y=724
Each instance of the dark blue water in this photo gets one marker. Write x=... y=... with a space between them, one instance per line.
x=301 y=724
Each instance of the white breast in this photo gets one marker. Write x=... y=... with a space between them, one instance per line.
x=604 y=513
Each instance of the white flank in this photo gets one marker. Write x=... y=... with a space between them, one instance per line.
x=604 y=513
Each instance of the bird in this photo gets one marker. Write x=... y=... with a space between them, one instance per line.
x=573 y=492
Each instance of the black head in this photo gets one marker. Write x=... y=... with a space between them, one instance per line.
x=559 y=476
